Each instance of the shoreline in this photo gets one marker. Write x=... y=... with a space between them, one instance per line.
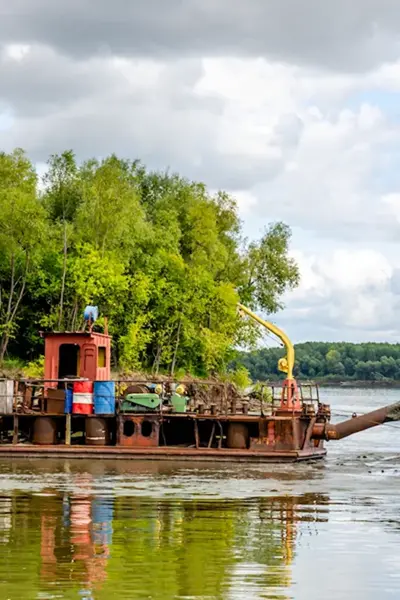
x=359 y=384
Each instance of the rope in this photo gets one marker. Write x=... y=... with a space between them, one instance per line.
x=278 y=344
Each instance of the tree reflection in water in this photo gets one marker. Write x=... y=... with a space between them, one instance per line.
x=105 y=546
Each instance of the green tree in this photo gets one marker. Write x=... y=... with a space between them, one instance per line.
x=22 y=233
x=62 y=198
x=269 y=270
x=163 y=259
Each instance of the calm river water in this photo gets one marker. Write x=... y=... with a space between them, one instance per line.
x=141 y=530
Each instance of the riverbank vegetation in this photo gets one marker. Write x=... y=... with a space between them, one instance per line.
x=163 y=258
x=328 y=362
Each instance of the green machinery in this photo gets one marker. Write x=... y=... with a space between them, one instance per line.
x=151 y=402
x=140 y=403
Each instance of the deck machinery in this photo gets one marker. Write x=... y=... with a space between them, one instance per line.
x=169 y=419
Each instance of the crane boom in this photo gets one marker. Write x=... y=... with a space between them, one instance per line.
x=284 y=365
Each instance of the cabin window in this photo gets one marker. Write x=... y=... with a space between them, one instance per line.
x=101 y=357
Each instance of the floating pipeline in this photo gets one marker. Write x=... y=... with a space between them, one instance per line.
x=328 y=431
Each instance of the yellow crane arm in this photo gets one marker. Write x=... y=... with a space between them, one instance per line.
x=283 y=365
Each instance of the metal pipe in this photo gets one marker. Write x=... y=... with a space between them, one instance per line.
x=329 y=431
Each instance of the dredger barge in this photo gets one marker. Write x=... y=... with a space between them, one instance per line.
x=77 y=411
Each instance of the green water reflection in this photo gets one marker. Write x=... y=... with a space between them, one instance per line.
x=89 y=545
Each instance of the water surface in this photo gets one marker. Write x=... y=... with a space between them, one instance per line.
x=147 y=530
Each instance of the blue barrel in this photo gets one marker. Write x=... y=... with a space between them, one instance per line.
x=104 y=397
x=68 y=401
x=102 y=520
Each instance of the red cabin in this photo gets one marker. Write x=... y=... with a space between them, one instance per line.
x=77 y=354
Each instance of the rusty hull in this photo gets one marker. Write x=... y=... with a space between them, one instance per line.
x=158 y=453
x=286 y=433
x=286 y=437
x=130 y=431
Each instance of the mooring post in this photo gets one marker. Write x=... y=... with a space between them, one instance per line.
x=16 y=429
x=210 y=441
x=68 y=429
x=196 y=433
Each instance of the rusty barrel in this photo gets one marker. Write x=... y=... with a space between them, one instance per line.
x=97 y=431
x=237 y=436
x=44 y=431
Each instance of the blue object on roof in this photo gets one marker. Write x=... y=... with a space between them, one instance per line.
x=91 y=313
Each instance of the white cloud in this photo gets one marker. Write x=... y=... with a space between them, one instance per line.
x=16 y=52
x=391 y=205
x=348 y=292
x=323 y=152
x=245 y=201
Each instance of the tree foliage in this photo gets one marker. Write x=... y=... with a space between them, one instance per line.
x=159 y=255
x=328 y=361
x=21 y=230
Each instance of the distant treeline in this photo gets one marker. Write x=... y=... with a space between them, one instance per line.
x=326 y=361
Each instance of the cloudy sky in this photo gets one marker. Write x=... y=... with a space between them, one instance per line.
x=291 y=105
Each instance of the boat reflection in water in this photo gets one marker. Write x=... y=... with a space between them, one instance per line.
x=76 y=537
x=103 y=546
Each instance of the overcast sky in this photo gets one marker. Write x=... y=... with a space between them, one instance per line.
x=290 y=105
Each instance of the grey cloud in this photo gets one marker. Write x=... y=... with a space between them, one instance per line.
x=395 y=282
x=181 y=140
x=235 y=173
x=287 y=131
x=98 y=129
x=326 y=317
x=315 y=329
x=45 y=81
x=327 y=320
x=341 y=35
x=68 y=96
x=95 y=108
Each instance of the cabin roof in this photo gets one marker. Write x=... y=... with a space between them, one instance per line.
x=87 y=334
